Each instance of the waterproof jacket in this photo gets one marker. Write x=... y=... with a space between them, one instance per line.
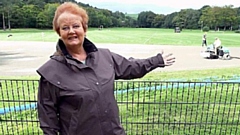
x=76 y=98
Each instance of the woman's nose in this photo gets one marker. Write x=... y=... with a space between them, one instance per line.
x=71 y=30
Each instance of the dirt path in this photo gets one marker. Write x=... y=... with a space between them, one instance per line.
x=23 y=58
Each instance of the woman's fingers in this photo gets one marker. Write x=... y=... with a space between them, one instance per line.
x=169 y=59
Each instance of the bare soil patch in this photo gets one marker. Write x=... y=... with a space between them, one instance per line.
x=23 y=58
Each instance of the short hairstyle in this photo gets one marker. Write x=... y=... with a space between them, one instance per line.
x=72 y=8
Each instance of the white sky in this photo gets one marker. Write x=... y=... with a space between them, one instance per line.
x=172 y=3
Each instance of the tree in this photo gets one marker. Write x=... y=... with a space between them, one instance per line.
x=158 y=21
x=29 y=16
x=37 y=3
x=168 y=22
x=131 y=22
x=118 y=18
x=228 y=16
x=93 y=19
x=192 y=17
x=45 y=17
x=8 y=7
x=146 y=18
x=208 y=18
x=180 y=19
x=16 y=14
x=219 y=17
x=3 y=15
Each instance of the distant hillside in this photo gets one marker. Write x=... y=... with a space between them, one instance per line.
x=134 y=16
x=133 y=8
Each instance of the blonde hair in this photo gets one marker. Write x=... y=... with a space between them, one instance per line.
x=72 y=8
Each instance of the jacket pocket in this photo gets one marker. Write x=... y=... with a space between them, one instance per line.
x=106 y=74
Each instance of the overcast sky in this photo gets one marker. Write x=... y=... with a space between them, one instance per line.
x=157 y=6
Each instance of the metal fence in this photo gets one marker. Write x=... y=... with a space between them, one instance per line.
x=146 y=108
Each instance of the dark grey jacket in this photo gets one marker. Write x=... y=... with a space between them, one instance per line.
x=78 y=99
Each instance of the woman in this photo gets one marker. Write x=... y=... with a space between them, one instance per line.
x=75 y=94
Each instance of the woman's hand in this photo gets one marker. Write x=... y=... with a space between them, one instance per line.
x=168 y=59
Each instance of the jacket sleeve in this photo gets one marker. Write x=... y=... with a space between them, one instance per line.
x=135 y=68
x=47 y=108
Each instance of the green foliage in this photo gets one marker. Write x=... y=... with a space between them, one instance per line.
x=40 y=13
x=205 y=29
x=237 y=31
x=45 y=17
x=35 y=14
x=158 y=21
x=145 y=19
x=134 y=16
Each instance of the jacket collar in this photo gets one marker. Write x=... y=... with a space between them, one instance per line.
x=87 y=45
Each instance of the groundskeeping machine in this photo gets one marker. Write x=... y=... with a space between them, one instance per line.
x=222 y=53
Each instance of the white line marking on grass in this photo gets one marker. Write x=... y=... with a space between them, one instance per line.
x=153 y=35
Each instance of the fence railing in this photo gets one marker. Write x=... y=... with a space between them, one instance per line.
x=146 y=108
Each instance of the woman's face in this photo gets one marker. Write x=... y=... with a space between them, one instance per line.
x=71 y=30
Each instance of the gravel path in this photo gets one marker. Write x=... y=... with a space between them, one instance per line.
x=23 y=58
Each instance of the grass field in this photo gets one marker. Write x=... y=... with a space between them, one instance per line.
x=134 y=111
x=192 y=75
x=146 y=108
x=195 y=75
x=176 y=111
x=146 y=36
x=175 y=106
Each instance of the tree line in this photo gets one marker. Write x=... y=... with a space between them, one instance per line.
x=40 y=13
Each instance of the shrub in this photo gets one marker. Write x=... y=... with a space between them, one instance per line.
x=205 y=29
x=237 y=31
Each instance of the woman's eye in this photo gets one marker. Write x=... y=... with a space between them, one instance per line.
x=76 y=26
x=65 y=28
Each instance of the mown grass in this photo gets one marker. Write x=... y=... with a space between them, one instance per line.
x=180 y=108
x=151 y=107
x=195 y=75
x=22 y=123
x=167 y=107
x=19 y=77
x=148 y=36
x=185 y=75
